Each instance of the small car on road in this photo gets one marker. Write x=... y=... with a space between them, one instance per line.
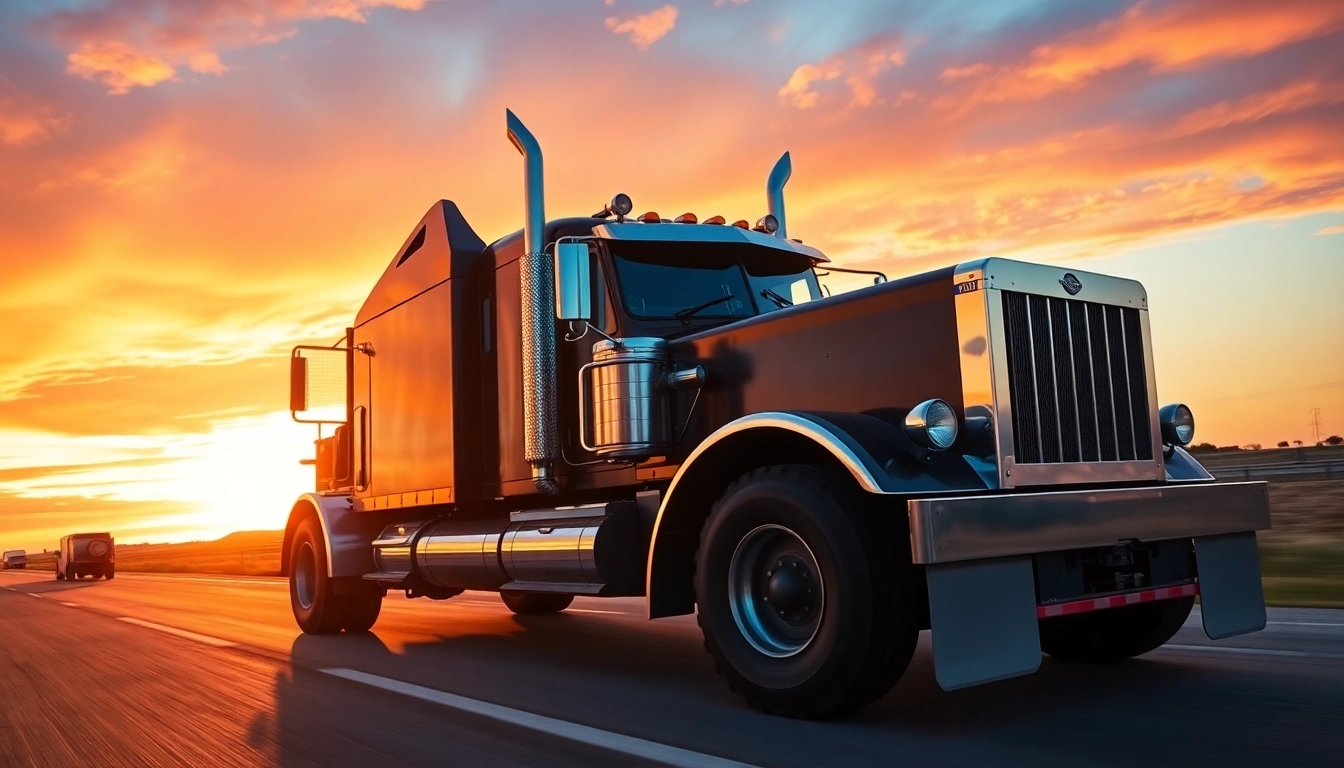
x=14 y=558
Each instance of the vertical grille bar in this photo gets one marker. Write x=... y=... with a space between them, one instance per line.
x=1047 y=406
x=1078 y=381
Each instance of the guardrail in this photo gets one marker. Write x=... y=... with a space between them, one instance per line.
x=1299 y=470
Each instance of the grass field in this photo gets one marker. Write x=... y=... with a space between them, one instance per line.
x=246 y=553
x=1302 y=558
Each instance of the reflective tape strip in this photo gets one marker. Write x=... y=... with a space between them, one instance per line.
x=1115 y=601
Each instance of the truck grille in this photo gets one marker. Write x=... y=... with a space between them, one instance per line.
x=1077 y=376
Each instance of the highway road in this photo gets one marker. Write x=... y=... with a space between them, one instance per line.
x=204 y=671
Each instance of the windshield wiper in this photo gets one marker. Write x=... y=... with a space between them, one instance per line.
x=683 y=314
x=780 y=301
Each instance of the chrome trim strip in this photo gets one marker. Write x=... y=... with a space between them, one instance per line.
x=953 y=529
x=865 y=475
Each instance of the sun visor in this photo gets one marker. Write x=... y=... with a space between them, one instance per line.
x=702 y=233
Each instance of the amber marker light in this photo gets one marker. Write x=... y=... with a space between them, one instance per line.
x=686 y=218
x=650 y=218
x=742 y=224
x=718 y=220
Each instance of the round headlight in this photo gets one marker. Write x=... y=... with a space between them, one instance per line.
x=621 y=205
x=1178 y=424
x=932 y=424
x=767 y=224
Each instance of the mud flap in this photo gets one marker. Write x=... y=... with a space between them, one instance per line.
x=1231 y=596
x=983 y=617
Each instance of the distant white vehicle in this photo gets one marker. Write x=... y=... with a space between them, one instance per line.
x=15 y=558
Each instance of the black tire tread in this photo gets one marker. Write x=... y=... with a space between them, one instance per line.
x=535 y=603
x=892 y=644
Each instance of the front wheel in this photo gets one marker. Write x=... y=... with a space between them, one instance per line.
x=533 y=603
x=1114 y=634
x=805 y=592
x=318 y=608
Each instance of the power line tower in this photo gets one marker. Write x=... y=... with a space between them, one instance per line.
x=1316 y=427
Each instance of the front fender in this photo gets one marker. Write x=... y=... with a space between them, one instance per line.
x=875 y=453
x=348 y=534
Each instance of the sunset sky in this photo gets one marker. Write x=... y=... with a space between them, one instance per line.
x=187 y=189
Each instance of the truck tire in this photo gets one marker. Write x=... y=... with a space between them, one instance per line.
x=534 y=603
x=60 y=575
x=1114 y=634
x=317 y=607
x=804 y=593
x=361 y=610
x=111 y=574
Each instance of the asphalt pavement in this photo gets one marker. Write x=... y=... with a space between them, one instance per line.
x=202 y=671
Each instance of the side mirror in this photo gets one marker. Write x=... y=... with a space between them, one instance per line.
x=298 y=383
x=573 y=282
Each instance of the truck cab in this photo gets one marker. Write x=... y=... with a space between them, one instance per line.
x=620 y=405
x=86 y=554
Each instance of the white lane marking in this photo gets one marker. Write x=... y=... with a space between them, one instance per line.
x=627 y=745
x=71 y=605
x=32 y=594
x=1251 y=651
x=594 y=610
x=215 y=641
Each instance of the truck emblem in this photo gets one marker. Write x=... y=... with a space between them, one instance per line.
x=970 y=286
x=1071 y=283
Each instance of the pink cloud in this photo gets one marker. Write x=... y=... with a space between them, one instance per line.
x=860 y=66
x=646 y=28
x=25 y=119
x=141 y=43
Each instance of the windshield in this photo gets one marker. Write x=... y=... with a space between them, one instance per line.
x=672 y=280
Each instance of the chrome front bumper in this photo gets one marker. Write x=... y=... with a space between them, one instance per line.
x=960 y=528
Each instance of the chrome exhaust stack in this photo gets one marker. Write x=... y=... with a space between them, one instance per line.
x=774 y=191
x=536 y=273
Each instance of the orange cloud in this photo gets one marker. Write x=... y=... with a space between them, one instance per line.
x=1169 y=37
x=860 y=66
x=141 y=43
x=119 y=66
x=646 y=28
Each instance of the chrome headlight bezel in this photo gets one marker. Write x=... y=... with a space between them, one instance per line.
x=932 y=425
x=1178 y=424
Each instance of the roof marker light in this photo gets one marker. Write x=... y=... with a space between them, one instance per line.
x=650 y=218
x=741 y=224
x=715 y=220
x=686 y=218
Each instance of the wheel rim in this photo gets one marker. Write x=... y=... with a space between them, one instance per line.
x=305 y=575
x=775 y=591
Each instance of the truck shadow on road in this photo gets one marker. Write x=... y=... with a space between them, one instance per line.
x=628 y=676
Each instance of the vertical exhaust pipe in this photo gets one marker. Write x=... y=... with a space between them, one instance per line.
x=536 y=273
x=774 y=191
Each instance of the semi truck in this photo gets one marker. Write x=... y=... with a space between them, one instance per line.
x=86 y=554
x=14 y=558
x=676 y=409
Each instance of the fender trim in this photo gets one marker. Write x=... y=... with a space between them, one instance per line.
x=875 y=452
x=348 y=534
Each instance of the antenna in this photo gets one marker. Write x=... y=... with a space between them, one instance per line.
x=1316 y=426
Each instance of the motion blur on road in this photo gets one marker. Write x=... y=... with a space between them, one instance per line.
x=202 y=671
